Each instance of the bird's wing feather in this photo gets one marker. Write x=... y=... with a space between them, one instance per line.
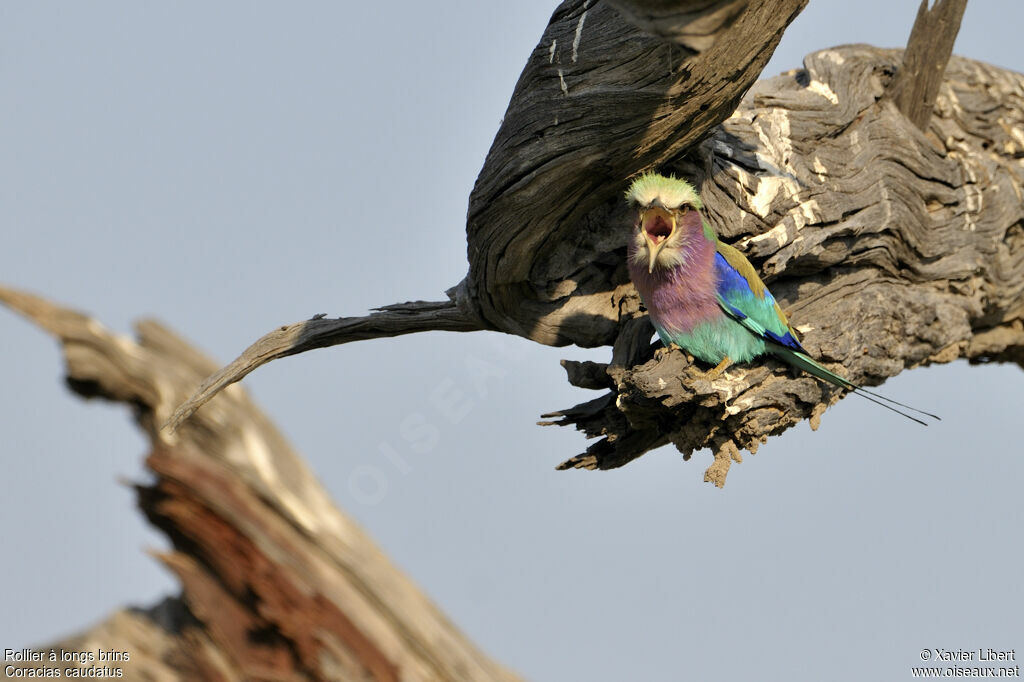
x=744 y=297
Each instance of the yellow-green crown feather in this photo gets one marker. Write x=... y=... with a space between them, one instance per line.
x=670 y=192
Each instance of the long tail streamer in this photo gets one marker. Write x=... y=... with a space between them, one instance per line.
x=804 y=362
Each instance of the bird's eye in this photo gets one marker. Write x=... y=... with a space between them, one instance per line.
x=684 y=209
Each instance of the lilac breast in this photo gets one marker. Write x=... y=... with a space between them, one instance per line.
x=680 y=298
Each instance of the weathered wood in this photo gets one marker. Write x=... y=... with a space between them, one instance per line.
x=277 y=583
x=598 y=101
x=890 y=248
x=924 y=61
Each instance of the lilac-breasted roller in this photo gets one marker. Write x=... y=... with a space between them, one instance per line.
x=703 y=295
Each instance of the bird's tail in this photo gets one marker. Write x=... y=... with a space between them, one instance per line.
x=804 y=362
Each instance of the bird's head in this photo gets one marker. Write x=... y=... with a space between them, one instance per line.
x=668 y=220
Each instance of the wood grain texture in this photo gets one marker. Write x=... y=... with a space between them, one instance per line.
x=890 y=247
x=277 y=583
x=598 y=101
x=924 y=61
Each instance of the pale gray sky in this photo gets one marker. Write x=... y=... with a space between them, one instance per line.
x=216 y=165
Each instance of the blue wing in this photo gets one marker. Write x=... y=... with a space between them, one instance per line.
x=744 y=297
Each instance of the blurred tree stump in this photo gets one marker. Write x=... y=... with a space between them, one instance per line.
x=277 y=583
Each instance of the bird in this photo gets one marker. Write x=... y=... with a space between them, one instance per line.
x=704 y=296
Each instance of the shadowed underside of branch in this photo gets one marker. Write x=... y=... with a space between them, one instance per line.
x=277 y=583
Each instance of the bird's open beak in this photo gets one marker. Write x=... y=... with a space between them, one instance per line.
x=658 y=225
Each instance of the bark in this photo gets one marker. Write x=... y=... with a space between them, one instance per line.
x=277 y=583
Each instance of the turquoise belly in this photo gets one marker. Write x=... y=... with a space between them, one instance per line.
x=713 y=341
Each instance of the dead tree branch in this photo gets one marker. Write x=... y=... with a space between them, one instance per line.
x=598 y=101
x=320 y=332
x=893 y=248
x=277 y=583
x=924 y=61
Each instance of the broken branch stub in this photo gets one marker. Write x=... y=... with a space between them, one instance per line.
x=924 y=61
